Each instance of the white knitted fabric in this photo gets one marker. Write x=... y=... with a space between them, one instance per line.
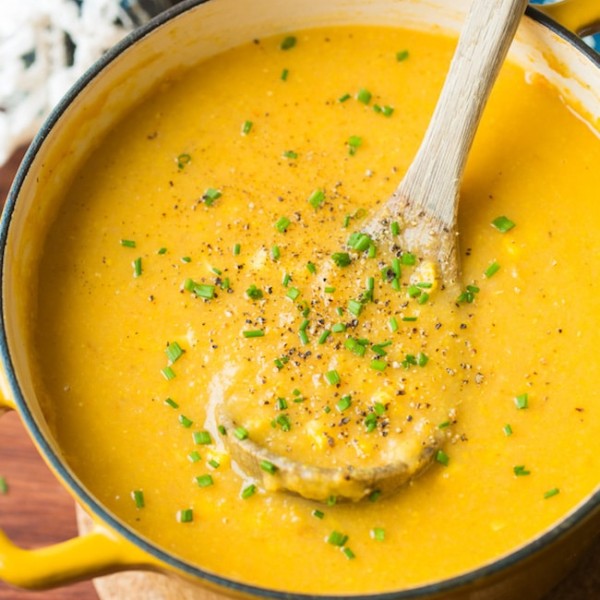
x=37 y=67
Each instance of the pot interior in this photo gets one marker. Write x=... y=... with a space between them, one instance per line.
x=129 y=74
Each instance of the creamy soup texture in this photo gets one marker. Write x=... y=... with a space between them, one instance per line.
x=199 y=259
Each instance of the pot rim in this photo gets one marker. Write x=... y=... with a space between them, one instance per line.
x=528 y=550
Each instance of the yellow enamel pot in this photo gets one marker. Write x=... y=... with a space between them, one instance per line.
x=179 y=38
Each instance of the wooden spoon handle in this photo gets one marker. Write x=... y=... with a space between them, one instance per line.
x=434 y=176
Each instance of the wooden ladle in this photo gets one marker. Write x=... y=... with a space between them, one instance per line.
x=426 y=203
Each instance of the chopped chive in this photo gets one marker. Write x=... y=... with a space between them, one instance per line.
x=194 y=456
x=286 y=279
x=225 y=283
x=375 y=495
x=241 y=433
x=254 y=293
x=185 y=516
x=281 y=403
x=522 y=401
x=168 y=373
x=185 y=421
x=331 y=501
x=319 y=514
x=338 y=328
x=363 y=95
x=284 y=422
x=182 y=160
x=317 y=198
x=409 y=319
x=378 y=534
x=395 y=228
x=202 y=438
x=347 y=219
x=204 y=480
x=186 y=259
x=268 y=467
x=355 y=307
x=507 y=430
x=282 y=224
x=344 y=403
x=128 y=243
x=422 y=359
x=293 y=293
x=275 y=252
x=378 y=365
x=379 y=349
x=359 y=241
x=290 y=154
x=284 y=74
x=247 y=127
x=341 y=259
x=402 y=55
x=288 y=42
x=503 y=224
x=348 y=553
x=138 y=497
x=303 y=337
x=344 y=97
x=236 y=249
x=332 y=377
x=354 y=143
x=211 y=195
x=137 y=267
x=393 y=324
x=386 y=111
x=408 y=259
x=444 y=425
x=311 y=267
x=442 y=458
x=329 y=289
x=491 y=270
x=174 y=351
x=162 y=250
x=216 y=271
x=281 y=362
x=248 y=491
x=413 y=291
x=355 y=346
x=323 y=337
x=215 y=464
x=521 y=471
x=253 y=333
x=423 y=298
x=337 y=538
x=221 y=429
x=204 y=290
x=170 y=402
x=379 y=408
x=304 y=325
x=550 y=493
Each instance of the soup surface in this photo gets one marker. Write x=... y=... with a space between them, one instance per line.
x=199 y=259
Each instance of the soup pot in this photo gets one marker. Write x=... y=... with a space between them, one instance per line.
x=177 y=39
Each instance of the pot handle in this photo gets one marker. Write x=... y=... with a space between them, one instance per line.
x=99 y=552
x=580 y=16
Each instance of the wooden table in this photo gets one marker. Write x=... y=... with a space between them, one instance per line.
x=38 y=511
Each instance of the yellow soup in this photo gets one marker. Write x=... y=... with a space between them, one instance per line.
x=199 y=261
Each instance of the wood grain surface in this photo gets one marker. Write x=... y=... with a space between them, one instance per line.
x=37 y=511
